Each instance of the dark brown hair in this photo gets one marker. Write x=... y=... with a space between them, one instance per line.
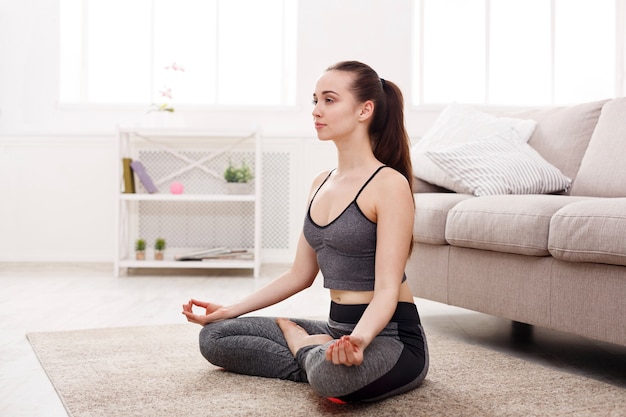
x=390 y=140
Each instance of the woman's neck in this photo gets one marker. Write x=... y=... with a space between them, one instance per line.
x=355 y=156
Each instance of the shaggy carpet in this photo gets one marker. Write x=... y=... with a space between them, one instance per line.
x=158 y=371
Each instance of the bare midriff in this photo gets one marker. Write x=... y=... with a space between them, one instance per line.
x=365 y=297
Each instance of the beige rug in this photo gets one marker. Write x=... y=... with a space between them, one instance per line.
x=158 y=371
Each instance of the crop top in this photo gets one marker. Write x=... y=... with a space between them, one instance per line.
x=346 y=247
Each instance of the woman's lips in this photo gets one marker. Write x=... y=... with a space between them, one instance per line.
x=318 y=126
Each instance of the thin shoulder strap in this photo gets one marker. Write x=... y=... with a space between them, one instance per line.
x=318 y=188
x=368 y=181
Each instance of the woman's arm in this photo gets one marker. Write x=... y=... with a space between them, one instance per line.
x=299 y=276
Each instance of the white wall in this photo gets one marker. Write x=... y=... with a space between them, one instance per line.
x=56 y=198
x=58 y=163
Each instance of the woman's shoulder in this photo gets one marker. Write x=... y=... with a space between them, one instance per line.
x=320 y=177
x=389 y=187
x=391 y=179
x=388 y=192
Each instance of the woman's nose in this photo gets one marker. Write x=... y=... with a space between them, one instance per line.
x=315 y=112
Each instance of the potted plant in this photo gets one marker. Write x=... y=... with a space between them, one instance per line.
x=237 y=177
x=159 y=248
x=140 y=249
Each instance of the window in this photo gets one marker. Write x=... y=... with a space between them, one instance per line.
x=514 y=52
x=203 y=52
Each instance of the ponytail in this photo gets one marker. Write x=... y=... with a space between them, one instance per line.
x=390 y=140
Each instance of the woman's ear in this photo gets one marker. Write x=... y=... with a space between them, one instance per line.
x=367 y=110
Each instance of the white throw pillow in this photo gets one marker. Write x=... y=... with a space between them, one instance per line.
x=459 y=123
x=499 y=164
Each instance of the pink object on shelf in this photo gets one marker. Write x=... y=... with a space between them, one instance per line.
x=176 y=188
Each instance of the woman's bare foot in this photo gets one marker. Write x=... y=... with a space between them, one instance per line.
x=297 y=337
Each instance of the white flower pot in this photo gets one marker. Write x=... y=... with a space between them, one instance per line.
x=238 y=187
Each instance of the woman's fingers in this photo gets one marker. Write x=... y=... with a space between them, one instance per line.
x=329 y=352
x=190 y=315
x=341 y=352
x=198 y=303
x=335 y=353
x=349 y=351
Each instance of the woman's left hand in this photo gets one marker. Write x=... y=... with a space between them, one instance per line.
x=346 y=351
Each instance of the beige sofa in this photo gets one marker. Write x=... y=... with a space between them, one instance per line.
x=551 y=260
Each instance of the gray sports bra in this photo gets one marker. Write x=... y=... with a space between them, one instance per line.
x=346 y=247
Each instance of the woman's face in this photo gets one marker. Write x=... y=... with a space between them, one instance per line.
x=336 y=112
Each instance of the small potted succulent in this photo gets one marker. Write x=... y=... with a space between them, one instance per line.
x=159 y=248
x=238 y=177
x=140 y=249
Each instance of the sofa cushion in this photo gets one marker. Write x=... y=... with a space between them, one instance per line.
x=590 y=231
x=602 y=171
x=459 y=123
x=562 y=133
x=499 y=164
x=512 y=223
x=431 y=212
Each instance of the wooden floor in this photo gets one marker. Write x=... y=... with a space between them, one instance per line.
x=53 y=297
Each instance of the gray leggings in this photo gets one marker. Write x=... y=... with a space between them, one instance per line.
x=395 y=362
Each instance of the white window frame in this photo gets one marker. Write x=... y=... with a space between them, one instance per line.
x=417 y=72
x=287 y=78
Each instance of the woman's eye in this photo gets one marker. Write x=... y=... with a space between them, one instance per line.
x=326 y=100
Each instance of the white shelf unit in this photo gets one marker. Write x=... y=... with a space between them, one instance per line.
x=197 y=156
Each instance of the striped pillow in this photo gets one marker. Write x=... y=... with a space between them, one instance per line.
x=459 y=123
x=499 y=164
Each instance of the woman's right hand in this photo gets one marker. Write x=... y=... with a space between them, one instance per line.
x=213 y=312
x=348 y=351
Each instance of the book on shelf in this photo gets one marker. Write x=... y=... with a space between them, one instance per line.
x=231 y=254
x=129 y=178
x=213 y=253
x=145 y=179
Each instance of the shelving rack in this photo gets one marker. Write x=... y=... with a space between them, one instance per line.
x=196 y=156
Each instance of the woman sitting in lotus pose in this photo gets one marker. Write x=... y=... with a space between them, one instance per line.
x=358 y=233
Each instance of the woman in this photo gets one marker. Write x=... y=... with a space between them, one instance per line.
x=358 y=232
